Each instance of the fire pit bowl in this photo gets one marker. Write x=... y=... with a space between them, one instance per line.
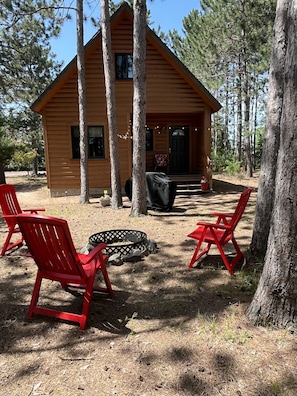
x=123 y=242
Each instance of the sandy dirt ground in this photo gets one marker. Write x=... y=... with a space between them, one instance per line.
x=170 y=331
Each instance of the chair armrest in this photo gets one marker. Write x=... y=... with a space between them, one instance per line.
x=214 y=225
x=97 y=251
x=34 y=210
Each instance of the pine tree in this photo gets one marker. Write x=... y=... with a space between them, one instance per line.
x=227 y=46
x=27 y=64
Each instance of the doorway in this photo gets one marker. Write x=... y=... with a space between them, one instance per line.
x=178 y=149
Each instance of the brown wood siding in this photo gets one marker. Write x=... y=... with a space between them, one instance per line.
x=160 y=123
x=167 y=91
x=171 y=100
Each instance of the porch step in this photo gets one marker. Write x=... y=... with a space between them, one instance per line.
x=187 y=184
x=188 y=188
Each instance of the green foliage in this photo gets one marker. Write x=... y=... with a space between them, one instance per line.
x=248 y=280
x=226 y=162
x=258 y=146
x=23 y=159
x=227 y=46
x=232 y=167
x=7 y=148
x=27 y=67
x=23 y=130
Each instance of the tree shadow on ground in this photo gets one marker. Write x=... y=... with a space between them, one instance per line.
x=28 y=184
x=155 y=297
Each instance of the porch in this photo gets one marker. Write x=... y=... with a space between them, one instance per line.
x=187 y=184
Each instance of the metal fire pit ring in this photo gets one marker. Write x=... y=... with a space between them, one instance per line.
x=123 y=242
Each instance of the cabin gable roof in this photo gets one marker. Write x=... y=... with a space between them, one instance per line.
x=125 y=12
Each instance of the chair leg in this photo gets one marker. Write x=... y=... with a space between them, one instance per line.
x=35 y=295
x=8 y=246
x=87 y=303
x=6 y=243
x=89 y=293
x=238 y=256
x=230 y=266
x=197 y=255
x=106 y=279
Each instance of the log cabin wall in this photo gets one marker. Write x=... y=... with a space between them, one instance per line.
x=172 y=102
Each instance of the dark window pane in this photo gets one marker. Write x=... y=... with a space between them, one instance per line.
x=149 y=139
x=75 y=142
x=124 y=66
x=95 y=142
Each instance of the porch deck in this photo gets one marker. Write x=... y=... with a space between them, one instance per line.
x=187 y=184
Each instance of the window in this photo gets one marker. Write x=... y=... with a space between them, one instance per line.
x=95 y=142
x=149 y=142
x=124 y=66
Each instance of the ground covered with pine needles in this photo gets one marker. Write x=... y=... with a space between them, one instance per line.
x=169 y=331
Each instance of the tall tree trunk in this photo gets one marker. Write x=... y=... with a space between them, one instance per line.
x=247 y=135
x=109 y=74
x=139 y=205
x=82 y=106
x=266 y=190
x=239 y=116
x=2 y=174
x=275 y=300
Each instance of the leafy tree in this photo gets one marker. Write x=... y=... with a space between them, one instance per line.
x=7 y=148
x=227 y=46
x=23 y=158
x=27 y=65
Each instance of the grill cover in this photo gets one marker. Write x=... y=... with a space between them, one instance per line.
x=160 y=191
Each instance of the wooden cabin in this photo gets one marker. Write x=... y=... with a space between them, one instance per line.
x=178 y=116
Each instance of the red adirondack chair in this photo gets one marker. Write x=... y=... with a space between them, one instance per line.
x=10 y=208
x=50 y=244
x=220 y=233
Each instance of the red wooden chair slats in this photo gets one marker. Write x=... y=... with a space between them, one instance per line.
x=220 y=233
x=10 y=208
x=50 y=245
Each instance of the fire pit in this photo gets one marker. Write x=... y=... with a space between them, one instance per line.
x=123 y=242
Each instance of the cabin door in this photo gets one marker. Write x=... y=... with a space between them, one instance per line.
x=178 y=149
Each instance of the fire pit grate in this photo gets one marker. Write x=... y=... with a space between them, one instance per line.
x=123 y=242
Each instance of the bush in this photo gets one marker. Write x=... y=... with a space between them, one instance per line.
x=232 y=168
x=226 y=163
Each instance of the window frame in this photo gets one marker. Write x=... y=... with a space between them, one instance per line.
x=75 y=152
x=128 y=72
x=149 y=139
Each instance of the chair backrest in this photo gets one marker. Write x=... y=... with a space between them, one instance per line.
x=50 y=243
x=9 y=203
x=243 y=200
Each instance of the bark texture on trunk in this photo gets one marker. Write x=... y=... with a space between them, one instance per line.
x=82 y=106
x=2 y=174
x=109 y=75
x=139 y=205
x=266 y=190
x=275 y=300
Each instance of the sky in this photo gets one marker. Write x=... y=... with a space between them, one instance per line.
x=166 y=13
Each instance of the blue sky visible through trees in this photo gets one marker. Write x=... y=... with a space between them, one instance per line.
x=168 y=14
